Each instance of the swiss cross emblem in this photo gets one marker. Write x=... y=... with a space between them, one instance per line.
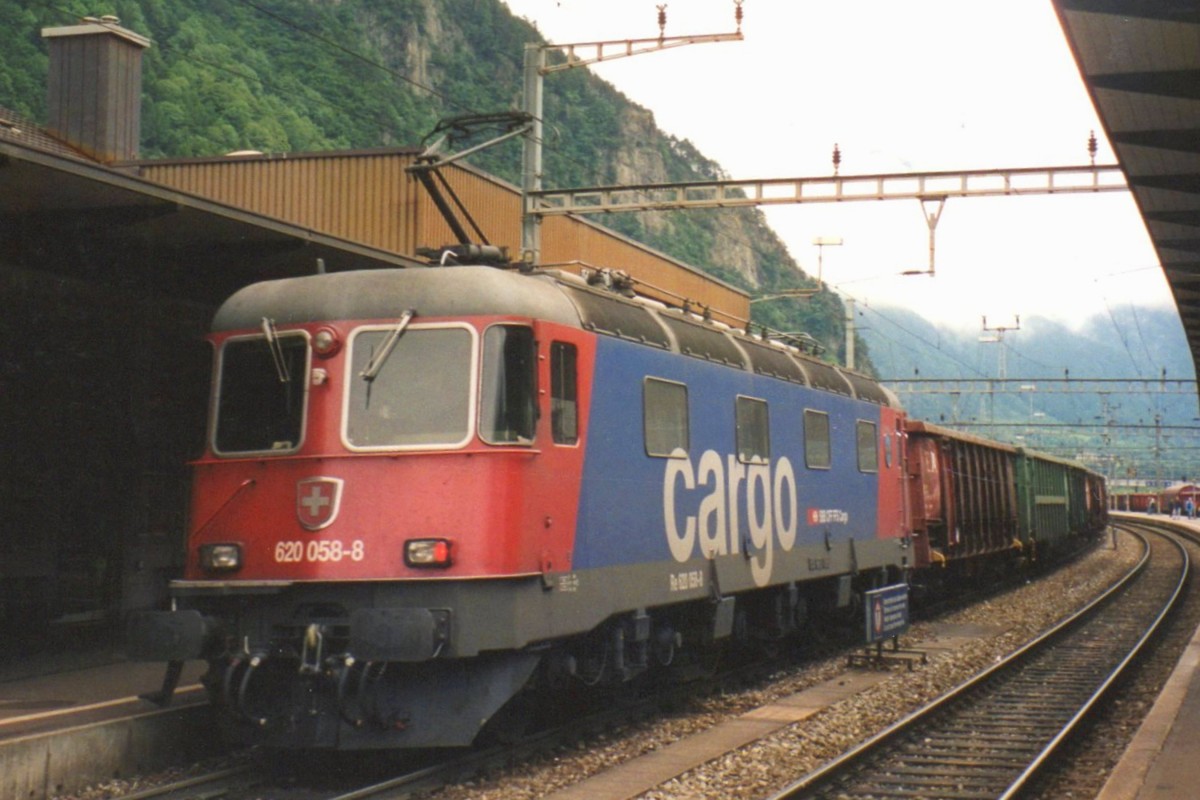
x=317 y=501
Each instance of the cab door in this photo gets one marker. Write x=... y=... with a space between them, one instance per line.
x=565 y=361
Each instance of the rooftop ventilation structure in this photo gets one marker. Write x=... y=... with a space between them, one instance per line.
x=95 y=87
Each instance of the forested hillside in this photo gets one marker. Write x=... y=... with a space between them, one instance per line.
x=294 y=76
x=1119 y=420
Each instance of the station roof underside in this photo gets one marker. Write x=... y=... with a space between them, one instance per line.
x=72 y=217
x=1140 y=60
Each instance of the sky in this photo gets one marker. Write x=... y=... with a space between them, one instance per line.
x=924 y=85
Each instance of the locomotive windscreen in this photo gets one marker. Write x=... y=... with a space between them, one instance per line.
x=420 y=395
x=261 y=394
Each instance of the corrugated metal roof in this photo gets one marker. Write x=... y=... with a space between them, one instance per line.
x=367 y=196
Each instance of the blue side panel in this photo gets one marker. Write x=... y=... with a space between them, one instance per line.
x=628 y=497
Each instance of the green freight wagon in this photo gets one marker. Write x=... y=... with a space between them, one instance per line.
x=1058 y=502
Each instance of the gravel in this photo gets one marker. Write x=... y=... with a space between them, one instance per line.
x=1007 y=621
x=759 y=769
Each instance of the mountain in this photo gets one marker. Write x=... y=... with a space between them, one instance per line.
x=309 y=75
x=1146 y=423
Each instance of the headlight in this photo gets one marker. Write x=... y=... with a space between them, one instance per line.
x=428 y=553
x=221 y=557
x=326 y=342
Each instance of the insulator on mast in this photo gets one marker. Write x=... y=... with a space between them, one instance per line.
x=737 y=14
x=662 y=21
x=837 y=158
x=1093 y=146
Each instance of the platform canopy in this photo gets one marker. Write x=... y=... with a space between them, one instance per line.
x=66 y=215
x=1140 y=60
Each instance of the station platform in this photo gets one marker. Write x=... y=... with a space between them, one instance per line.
x=1162 y=762
x=72 y=717
x=69 y=670
x=41 y=702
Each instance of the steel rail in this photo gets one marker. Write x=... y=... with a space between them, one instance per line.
x=1072 y=725
x=205 y=784
x=1018 y=765
x=447 y=769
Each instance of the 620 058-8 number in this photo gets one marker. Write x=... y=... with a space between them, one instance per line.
x=324 y=550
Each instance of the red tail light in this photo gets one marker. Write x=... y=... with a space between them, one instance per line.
x=425 y=553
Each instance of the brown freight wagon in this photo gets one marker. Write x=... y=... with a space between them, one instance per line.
x=962 y=496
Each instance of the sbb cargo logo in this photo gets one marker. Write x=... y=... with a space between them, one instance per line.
x=767 y=493
x=828 y=516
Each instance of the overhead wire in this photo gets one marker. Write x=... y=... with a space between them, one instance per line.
x=543 y=141
x=867 y=307
x=1137 y=323
x=327 y=42
x=335 y=46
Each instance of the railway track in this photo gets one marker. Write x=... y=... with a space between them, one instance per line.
x=259 y=778
x=992 y=735
x=401 y=781
x=254 y=780
x=217 y=783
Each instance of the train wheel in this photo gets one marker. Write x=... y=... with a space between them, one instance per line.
x=666 y=641
x=510 y=724
x=591 y=659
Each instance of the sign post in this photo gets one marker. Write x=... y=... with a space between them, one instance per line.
x=886 y=616
x=886 y=613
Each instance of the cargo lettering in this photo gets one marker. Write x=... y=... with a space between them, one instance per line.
x=766 y=492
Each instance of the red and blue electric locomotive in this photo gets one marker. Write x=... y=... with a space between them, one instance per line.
x=426 y=491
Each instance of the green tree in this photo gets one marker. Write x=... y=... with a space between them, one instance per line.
x=299 y=75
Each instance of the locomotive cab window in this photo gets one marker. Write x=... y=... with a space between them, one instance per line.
x=564 y=393
x=412 y=390
x=817 y=450
x=665 y=418
x=261 y=392
x=868 y=446
x=507 y=410
x=753 y=431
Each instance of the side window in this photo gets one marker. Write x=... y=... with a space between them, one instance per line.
x=507 y=414
x=753 y=430
x=816 y=439
x=564 y=393
x=868 y=446
x=665 y=417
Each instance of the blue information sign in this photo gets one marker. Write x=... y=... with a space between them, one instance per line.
x=886 y=612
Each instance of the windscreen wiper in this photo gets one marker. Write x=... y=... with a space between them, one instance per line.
x=377 y=361
x=272 y=337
